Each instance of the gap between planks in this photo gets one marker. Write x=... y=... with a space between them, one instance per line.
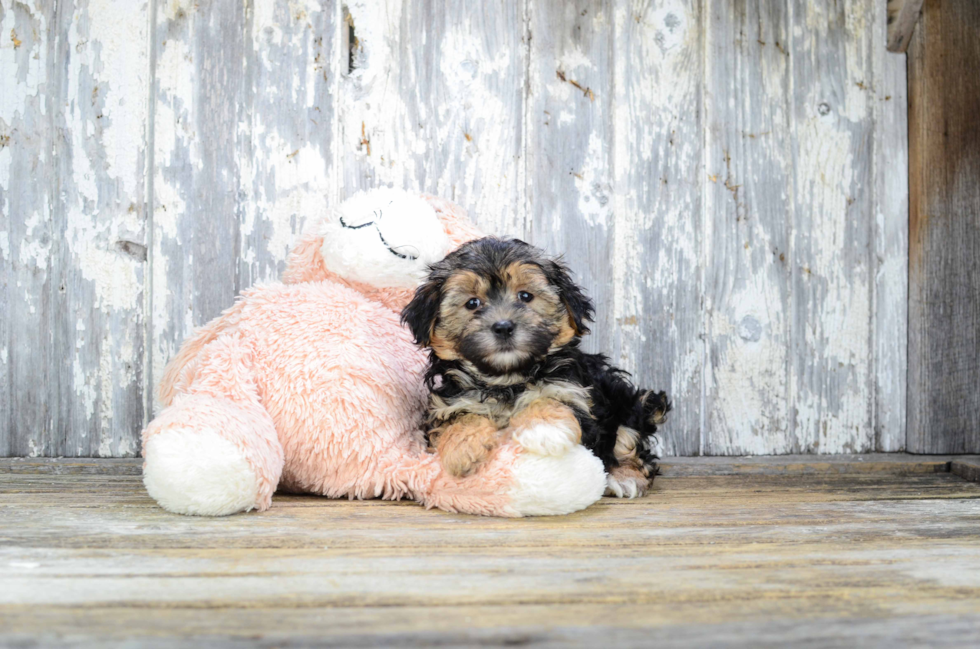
x=964 y=466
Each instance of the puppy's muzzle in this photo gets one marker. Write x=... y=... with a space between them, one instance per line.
x=503 y=329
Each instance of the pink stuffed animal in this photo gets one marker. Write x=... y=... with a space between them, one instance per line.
x=313 y=386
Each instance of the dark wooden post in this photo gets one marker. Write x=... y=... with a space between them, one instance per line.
x=944 y=229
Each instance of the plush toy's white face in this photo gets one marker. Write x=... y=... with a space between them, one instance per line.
x=383 y=237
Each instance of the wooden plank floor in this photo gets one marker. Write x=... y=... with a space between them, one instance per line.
x=877 y=550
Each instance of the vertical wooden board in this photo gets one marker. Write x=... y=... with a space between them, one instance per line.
x=651 y=294
x=748 y=217
x=244 y=130
x=20 y=114
x=434 y=102
x=72 y=170
x=292 y=62
x=32 y=250
x=570 y=140
x=944 y=230
x=891 y=242
x=831 y=249
x=198 y=111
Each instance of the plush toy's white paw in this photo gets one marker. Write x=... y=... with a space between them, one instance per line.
x=547 y=439
x=547 y=485
x=198 y=472
x=625 y=486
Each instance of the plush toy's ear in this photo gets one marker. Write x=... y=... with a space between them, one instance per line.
x=580 y=307
x=421 y=313
x=305 y=263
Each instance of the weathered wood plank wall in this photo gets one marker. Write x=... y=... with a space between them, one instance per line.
x=728 y=180
x=944 y=246
x=73 y=114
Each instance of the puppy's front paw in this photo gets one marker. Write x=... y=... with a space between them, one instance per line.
x=555 y=438
x=460 y=456
x=626 y=482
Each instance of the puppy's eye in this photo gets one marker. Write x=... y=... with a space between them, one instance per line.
x=473 y=304
x=524 y=296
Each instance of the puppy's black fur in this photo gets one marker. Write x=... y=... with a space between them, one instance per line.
x=618 y=423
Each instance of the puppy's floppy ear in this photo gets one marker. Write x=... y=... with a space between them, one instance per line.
x=580 y=307
x=421 y=313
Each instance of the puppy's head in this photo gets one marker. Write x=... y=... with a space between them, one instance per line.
x=500 y=304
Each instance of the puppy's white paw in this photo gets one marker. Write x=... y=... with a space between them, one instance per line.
x=625 y=486
x=547 y=439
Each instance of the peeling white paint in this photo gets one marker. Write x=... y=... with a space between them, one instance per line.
x=84 y=389
x=74 y=143
x=467 y=146
x=120 y=30
x=175 y=9
x=594 y=190
x=790 y=350
x=21 y=66
x=574 y=60
x=34 y=250
x=671 y=23
x=114 y=276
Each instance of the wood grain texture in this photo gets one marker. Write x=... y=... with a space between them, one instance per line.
x=613 y=144
x=244 y=126
x=891 y=204
x=286 y=129
x=966 y=467
x=198 y=100
x=582 y=625
x=944 y=230
x=801 y=285
x=90 y=560
x=435 y=102
x=726 y=179
x=831 y=253
x=902 y=17
x=896 y=464
x=650 y=324
x=570 y=139
x=72 y=147
x=748 y=226
x=72 y=466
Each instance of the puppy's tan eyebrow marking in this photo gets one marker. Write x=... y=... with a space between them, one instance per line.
x=521 y=275
x=466 y=282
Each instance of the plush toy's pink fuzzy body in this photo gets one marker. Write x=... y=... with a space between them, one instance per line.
x=310 y=386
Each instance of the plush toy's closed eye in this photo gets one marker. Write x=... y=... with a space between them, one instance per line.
x=378 y=214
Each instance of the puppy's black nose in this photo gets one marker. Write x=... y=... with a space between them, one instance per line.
x=503 y=329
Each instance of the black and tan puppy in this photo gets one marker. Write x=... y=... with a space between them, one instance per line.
x=504 y=322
